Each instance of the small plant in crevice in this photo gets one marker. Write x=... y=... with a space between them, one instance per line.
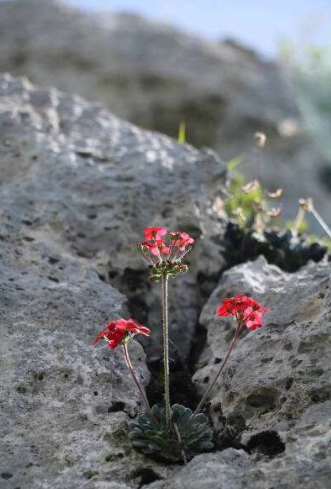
x=256 y=227
x=174 y=433
x=249 y=206
x=283 y=248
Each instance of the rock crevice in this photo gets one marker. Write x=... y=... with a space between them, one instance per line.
x=78 y=187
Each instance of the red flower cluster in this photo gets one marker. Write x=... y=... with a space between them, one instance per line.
x=244 y=309
x=154 y=233
x=116 y=332
x=181 y=240
x=180 y=244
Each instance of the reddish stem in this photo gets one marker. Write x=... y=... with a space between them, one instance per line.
x=136 y=381
x=232 y=344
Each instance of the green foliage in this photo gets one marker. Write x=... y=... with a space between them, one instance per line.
x=232 y=164
x=170 y=268
x=248 y=207
x=303 y=227
x=312 y=238
x=182 y=133
x=240 y=205
x=186 y=438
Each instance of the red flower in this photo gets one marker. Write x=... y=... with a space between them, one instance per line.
x=157 y=247
x=154 y=233
x=252 y=319
x=238 y=303
x=181 y=240
x=243 y=308
x=165 y=256
x=116 y=331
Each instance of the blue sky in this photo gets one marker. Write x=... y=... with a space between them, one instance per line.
x=258 y=23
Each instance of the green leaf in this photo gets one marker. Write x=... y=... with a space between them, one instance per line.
x=155 y=437
x=232 y=164
x=182 y=133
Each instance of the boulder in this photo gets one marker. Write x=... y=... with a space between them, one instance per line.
x=235 y=469
x=64 y=405
x=156 y=76
x=78 y=187
x=275 y=392
x=74 y=174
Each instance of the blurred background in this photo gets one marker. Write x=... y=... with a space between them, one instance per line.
x=258 y=24
x=224 y=70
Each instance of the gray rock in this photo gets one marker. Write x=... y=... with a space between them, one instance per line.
x=157 y=76
x=73 y=173
x=64 y=405
x=276 y=389
x=78 y=186
x=235 y=469
x=210 y=471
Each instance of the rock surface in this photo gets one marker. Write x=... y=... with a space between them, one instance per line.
x=276 y=390
x=157 y=76
x=78 y=186
x=76 y=174
x=235 y=469
x=60 y=399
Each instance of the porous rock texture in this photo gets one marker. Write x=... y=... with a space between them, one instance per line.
x=78 y=186
x=73 y=171
x=64 y=406
x=276 y=389
x=156 y=76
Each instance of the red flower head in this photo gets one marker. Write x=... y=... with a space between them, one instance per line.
x=252 y=319
x=152 y=234
x=116 y=332
x=165 y=257
x=181 y=240
x=244 y=309
x=157 y=247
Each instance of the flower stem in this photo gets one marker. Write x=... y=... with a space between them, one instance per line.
x=232 y=344
x=321 y=221
x=165 y=314
x=299 y=219
x=136 y=381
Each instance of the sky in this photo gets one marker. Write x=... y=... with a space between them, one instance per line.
x=259 y=24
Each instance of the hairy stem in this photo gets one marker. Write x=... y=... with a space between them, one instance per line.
x=165 y=315
x=220 y=370
x=299 y=219
x=136 y=381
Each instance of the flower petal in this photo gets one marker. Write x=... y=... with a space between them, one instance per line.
x=154 y=233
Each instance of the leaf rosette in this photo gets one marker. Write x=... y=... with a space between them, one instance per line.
x=187 y=437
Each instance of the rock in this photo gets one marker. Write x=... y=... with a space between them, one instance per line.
x=276 y=390
x=235 y=469
x=64 y=405
x=78 y=187
x=157 y=76
x=205 y=471
x=74 y=174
